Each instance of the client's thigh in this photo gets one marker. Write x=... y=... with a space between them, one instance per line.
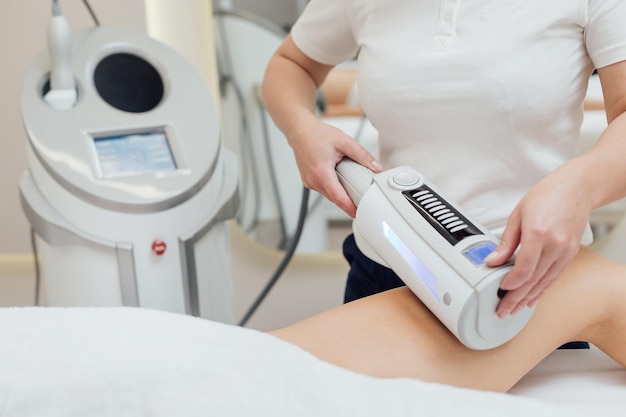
x=392 y=334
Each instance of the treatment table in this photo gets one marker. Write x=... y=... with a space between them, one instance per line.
x=137 y=362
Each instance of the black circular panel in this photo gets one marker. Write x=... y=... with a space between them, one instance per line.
x=128 y=82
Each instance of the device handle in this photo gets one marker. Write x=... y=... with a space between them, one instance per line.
x=355 y=178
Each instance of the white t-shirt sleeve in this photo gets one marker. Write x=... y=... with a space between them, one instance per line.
x=324 y=33
x=606 y=32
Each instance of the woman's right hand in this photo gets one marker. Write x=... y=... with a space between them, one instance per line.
x=289 y=94
x=318 y=148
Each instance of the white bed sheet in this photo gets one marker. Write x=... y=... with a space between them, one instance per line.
x=134 y=362
x=584 y=379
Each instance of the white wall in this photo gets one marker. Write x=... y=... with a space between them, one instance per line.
x=189 y=31
x=22 y=35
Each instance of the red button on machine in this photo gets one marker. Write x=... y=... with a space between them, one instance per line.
x=159 y=247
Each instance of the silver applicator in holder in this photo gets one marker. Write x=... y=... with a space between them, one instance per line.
x=405 y=223
x=62 y=94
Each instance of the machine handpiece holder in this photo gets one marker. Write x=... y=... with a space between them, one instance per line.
x=62 y=94
x=404 y=222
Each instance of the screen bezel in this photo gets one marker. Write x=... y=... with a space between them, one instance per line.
x=165 y=132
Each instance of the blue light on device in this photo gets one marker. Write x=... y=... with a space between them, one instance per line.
x=421 y=270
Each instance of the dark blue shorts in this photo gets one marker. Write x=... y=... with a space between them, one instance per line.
x=367 y=277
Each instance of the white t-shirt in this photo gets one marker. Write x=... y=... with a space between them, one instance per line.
x=483 y=97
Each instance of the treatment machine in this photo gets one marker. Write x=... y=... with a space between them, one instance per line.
x=128 y=188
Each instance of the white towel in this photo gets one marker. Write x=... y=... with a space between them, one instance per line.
x=134 y=362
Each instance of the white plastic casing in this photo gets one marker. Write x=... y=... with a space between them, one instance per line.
x=392 y=230
x=62 y=94
x=95 y=233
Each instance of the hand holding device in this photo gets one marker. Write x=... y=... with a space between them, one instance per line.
x=547 y=225
x=406 y=223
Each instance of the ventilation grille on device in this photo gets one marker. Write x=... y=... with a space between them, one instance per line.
x=451 y=224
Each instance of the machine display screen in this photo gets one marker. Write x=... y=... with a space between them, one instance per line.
x=478 y=253
x=133 y=154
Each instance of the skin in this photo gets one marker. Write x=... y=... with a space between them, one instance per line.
x=546 y=226
x=393 y=335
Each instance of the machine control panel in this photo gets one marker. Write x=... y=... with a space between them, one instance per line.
x=144 y=135
x=479 y=252
x=133 y=154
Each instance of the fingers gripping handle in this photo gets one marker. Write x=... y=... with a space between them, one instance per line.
x=355 y=178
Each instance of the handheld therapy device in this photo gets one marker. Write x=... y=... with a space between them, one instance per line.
x=405 y=223
x=128 y=188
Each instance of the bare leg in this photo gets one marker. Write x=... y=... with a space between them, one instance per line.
x=394 y=335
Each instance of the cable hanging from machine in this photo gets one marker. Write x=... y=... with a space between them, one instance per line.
x=290 y=251
x=57 y=10
x=91 y=12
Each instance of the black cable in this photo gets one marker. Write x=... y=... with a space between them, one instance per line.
x=293 y=243
x=33 y=245
x=360 y=128
x=273 y=177
x=93 y=15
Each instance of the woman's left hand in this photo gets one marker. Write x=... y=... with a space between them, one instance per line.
x=549 y=221
x=547 y=226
